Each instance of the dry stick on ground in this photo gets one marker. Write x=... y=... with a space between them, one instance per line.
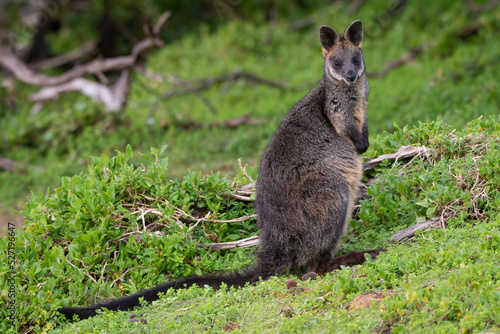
x=188 y=87
x=397 y=63
x=230 y=123
x=243 y=193
x=409 y=232
x=113 y=98
x=22 y=72
x=473 y=7
x=199 y=85
x=243 y=243
x=8 y=165
x=403 y=153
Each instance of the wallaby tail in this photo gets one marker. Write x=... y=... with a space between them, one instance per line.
x=149 y=295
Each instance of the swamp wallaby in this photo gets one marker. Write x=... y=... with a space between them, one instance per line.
x=308 y=180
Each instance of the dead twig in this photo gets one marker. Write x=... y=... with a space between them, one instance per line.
x=87 y=48
x=244 y=193
x=113 y=98
x=22 y=72
x=243 y=243
x=188 y=86
x=8 y=165
x=410 y=56
x=409 y=232
x=199 y=85
x=120 y=277
x=403 y=153
x=230 y=123
x=86 y=273
x=244 y=171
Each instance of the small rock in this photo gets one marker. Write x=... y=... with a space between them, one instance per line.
x=291 y=284
x=310 y=275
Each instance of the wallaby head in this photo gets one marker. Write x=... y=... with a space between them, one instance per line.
x=343 y=56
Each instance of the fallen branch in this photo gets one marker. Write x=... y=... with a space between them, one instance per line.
x=230 y=123
x=87 y=48
x=181 y=213
x=468 y=31
x=22 y=72
x=8 y=165
x=83 y=271
x=113 y=98
x=433 y=223
x=403 y=153
x=244 y=193
x=397 y=63
x=187 y=85
x=198 y=85
x=243 y=243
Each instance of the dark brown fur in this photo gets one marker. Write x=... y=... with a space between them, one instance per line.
x=308 y=180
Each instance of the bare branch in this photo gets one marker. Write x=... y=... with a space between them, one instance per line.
x=85 y=272
x=25 y=74
x=244 y=193
x=161 y=21
x=193 y=86
x=409 y=232
x=243 y=243
x=87 y=48
x=403 y=153
x=113 y=97
x=230 y=123
x=397 y=63
x=7 y=164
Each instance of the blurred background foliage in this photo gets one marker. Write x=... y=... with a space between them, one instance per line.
x=453 y=76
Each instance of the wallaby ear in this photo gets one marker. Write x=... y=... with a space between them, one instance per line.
x=328 y=37
x=354 y=33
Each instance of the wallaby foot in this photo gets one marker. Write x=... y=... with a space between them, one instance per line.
x=321 y=264
x=352 y=259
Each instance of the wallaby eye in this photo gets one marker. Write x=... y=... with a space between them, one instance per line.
x=337 y=63
x=355 y=60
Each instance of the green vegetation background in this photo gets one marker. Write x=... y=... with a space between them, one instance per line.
x=455 y=274
x=453 y=79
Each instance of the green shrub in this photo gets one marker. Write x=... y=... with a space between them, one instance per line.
x=117 y=229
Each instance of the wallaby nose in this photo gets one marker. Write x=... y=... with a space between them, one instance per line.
x=351 y=76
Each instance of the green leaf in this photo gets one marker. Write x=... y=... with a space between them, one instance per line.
x=104 y=160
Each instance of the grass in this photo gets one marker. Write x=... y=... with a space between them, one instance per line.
x=445 y=281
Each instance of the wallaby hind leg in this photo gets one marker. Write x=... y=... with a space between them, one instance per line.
x=352 y=259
